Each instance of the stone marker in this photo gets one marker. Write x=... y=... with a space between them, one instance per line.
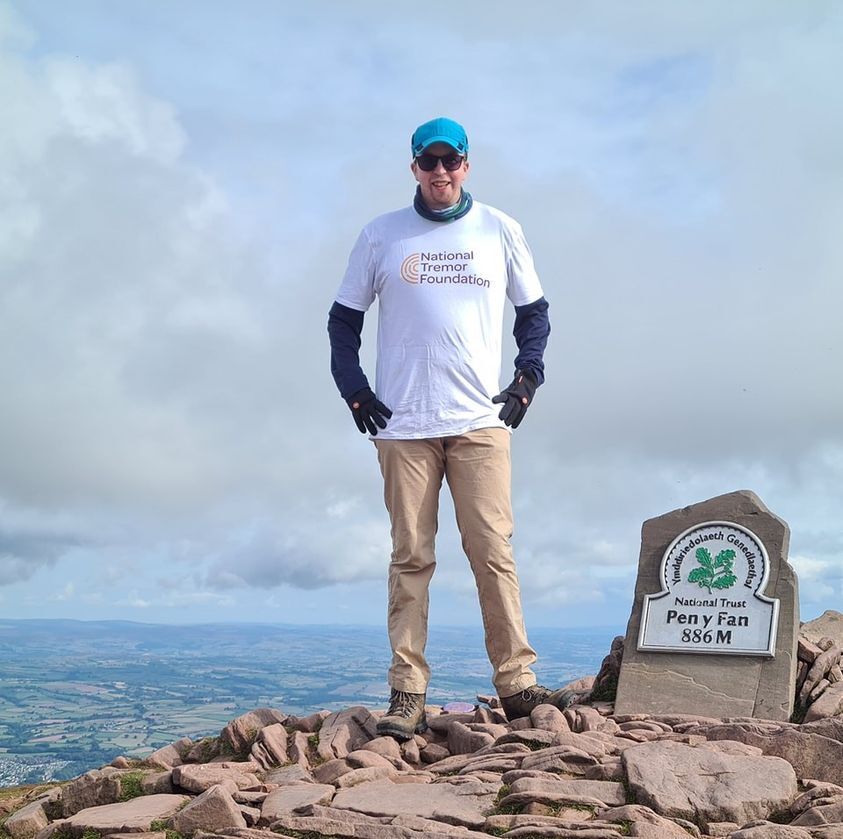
x=715 y=621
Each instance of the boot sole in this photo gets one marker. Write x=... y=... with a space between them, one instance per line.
x=400 y=733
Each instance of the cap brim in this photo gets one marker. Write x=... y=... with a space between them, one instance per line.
x=448 y=141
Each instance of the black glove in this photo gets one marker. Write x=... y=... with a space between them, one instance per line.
x=517 y=395
x=368 y=411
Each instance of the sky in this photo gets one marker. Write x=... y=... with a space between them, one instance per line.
x=181 y=184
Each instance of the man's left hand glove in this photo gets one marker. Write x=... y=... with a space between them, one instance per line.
x=517 y=396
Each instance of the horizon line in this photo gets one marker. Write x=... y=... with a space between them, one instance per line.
x=280 y=624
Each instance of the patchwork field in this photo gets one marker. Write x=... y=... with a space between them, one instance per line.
x=74 y=695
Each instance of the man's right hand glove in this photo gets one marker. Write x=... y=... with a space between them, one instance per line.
x=516 y=397
x=368 y=411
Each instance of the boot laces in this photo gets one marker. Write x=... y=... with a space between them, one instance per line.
x=535 y=692
x=402 y=704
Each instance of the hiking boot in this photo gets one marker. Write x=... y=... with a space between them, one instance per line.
x=404 y=717
x=520 y=704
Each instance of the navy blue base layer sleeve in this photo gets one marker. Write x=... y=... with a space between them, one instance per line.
x=532 y=326
x=345 y=326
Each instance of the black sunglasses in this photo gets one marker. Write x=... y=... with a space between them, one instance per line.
x=451 y=162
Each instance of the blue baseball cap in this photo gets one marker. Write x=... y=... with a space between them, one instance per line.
x=439 y=130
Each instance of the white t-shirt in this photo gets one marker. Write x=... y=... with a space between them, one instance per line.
x=441 y=289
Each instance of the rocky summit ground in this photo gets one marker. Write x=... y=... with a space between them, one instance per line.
x=585 y=773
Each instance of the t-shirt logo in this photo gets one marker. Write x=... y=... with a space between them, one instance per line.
x=441 y=268
x=410 y=268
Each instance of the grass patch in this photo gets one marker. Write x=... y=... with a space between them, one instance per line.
x=533 y=745
x=13 y=798
x=21 y=792
x=606 y=692
x=502 y=831
x=130 y=785
x=505 y=790
x=798 y=715
x=505 y=809
x=163 y=824
x=313 y=745
x=226 y=749
x=557 y=807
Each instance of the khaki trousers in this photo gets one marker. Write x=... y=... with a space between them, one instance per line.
x=477 y=468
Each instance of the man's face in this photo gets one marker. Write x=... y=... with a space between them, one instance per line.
x=440 y=188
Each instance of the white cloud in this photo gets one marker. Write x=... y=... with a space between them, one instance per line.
x=175 y=221
x=104 y=105
x=809 y=568
x=186 y=599
x=67 y=593
x=136 y=602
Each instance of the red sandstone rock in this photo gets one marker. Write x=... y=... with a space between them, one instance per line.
x=241 y=732
x=214 y=809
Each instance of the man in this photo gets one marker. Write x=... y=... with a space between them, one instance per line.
x=441 y=271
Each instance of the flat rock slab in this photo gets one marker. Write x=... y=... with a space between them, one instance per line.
x=568 y=759
x=149 y=834
x=705 y=785
x=811 y=755
x=590 y=831
x=772 y=831
x=286 y=775
x=557 y=791
x=200 y=777
x=347 y=824
x=459 y=762
x=462 y=804
x=290 y=798
x=644 y=823
x=133 y=816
